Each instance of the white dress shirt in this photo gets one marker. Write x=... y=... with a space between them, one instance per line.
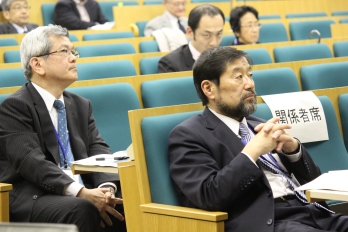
x=80 y=5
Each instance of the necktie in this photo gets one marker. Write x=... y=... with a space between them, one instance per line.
x=181 y=27
x=65 y=153
x=244 y=133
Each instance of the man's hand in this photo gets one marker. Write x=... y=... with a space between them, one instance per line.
x=104 y=201
x=270 y=136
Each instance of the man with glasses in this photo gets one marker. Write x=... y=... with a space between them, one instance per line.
x=16 y=12
x=44 y=128
x=173 y=17
x=244 y=21
x=205 y=29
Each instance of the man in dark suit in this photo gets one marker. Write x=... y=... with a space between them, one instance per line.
x=217 y=158
x=205 y=27
x=78 y=14
x=34 y=156
x=16 y=12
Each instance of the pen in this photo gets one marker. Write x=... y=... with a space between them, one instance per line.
x=115 y=158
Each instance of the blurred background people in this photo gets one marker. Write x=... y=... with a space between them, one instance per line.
x=244 y=21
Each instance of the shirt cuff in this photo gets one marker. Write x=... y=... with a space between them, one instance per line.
x=251 y=159
x=72 y=189
x=108 y=183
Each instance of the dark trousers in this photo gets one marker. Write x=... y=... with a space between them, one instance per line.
x=293 y=216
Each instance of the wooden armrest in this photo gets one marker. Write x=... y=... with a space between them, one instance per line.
x=134 y=29
x=5 y=187
x=5 y=202
x=183 y=212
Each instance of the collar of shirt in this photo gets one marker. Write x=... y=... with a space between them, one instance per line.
x=194 y=52
x=78 y=2
x=173 y=20
x=19 y=29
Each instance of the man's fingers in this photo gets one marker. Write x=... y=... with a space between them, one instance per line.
x=116 y=201
x=114 y=213
x=106 y=217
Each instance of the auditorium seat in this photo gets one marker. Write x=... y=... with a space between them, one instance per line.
x=339 y=13
x=105 y=49
x=109 y=35
x=149 y=65
x=269 y=16
x=321 y=76
x=343 y=20
x=47 y=10
x=301 y=52
x=12 y=77
x=259 y=56
x=301 y=30
x=227 y=40
x=8 y=42
x=105 y=69
x=106 y=8
x=148 y=46
x=343 y=107
x=305 y=15
x=111 y=103
x=141 y=26
x=273 y=32
x=12 y=56
x=340 y=48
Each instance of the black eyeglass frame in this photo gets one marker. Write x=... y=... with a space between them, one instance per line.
x=65 y=51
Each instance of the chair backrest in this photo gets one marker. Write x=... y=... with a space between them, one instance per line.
x=149 y=65
x=12 y=56
x=305 y=15
x=340 y=48
x=343 y=106
x=301 y=52
x=73 y=38
x=332 y=150
x=141 y=24
x=269 y=16
x=339 y=13
x=155 y=132
x=203 y=1
x=155 y=2
x=273 y=32
x=301 y=30
x=148 y=46
x=105 y=69
x=8 y=42
x=12 y=77
x=110 y=35
x=227 y=40
x=106 y=7
x=166 y=92
x=274 y=81
x=343 y=20
x=47 y=10
x=321 y=76
x=259 y=56
x=106 y=49
x=111 y=104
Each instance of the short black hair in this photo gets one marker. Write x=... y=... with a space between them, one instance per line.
x=237 y=13
x=211 y=64
x=199 y=11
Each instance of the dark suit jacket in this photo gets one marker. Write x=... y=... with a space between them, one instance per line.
x=210 y=173
x=177 y=61
x=67 y=15
x=29 y=152
x=7 y=28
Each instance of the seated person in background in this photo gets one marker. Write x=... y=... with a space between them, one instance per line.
x=173 y=17
x=244 y=21
x=226 y=160
x=16 y=12
x=78 y=14
x=43 y=129
x=205 y=28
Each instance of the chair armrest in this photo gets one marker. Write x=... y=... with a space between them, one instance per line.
x=185 y=212
x=134 y=29
x=5 y=202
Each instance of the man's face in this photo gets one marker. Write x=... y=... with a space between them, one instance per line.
x=208 y=33
x=60 y=67
x=175 y=7
x=249 y=29
x=18 y=13
x=235 y=97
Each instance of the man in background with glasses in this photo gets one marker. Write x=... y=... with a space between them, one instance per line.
x=43 y=129
x=173 y=17
x=16 y=12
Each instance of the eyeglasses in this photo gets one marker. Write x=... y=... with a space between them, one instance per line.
x=177 y=4
x=18 y=8
x=65 y=52
x=250 y=26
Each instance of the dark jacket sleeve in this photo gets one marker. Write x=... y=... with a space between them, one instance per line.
x=165 y=65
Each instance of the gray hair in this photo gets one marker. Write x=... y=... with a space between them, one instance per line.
x=38 y=42
x=6 y=4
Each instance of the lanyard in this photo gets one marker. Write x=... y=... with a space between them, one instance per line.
x=64 y=150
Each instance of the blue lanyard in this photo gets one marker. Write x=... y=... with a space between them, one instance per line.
x=64 y=151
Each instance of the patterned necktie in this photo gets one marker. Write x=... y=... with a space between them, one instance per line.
x=65 y=153
x=244 y=133
x=181 y=27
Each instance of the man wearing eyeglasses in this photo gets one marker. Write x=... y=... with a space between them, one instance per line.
x=16 y=12
x=173 y=17
x=44 y=128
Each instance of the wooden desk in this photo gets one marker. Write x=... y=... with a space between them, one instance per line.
x=322 y=195
x=83 y=169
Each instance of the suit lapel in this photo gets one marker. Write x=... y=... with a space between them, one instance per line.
x=46 y=124
x=11 y=29
x=189 y=61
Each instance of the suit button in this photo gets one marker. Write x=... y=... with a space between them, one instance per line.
x=269 y=193
x=269 y=222
x=34 y=197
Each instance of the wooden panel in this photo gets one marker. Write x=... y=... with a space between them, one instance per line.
x=339 y=30
x=5 y=202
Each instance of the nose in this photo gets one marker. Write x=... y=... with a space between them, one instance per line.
x=214 y=42
x=249 y=83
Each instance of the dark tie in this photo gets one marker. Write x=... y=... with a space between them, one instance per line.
x=244 y=133
x=65 y=153
x=181 y=27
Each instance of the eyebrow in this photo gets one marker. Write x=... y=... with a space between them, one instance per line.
x=66 y=46
x=238 y=69
x=213 y=32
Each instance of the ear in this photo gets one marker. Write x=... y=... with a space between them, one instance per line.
x=209 y=89
x=189 y=32
x=36 y=65
x=6 y=15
